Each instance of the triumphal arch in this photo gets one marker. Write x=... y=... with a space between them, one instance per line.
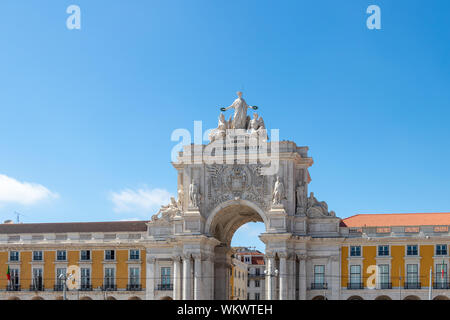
x=240 y=176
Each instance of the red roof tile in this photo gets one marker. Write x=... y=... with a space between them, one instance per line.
x=398 y=219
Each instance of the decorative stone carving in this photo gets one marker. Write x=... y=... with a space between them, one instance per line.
x=278 y=192
x=166 y=212
x=220 y=131
x=317 y=209
x=230 y=182
x=194 y=194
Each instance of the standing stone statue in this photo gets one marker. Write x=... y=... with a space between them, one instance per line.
x=278 y=192
x=180 y=198
x=301 y=196
x=194 y=194
x=240 y=107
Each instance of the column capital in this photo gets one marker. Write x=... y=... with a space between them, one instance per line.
x=186 y=256
x=197 y=256
x=151 y=259
x=269 y=255
x=283 y=255
x=176 y=258
x=302 y=256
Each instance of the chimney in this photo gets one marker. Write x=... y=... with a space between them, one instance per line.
x=8 y=222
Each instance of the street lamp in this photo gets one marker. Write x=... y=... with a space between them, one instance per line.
x=64 y=277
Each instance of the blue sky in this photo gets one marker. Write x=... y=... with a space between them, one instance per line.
x=86 y=115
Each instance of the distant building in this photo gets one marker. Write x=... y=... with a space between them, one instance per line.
x=238 y=280
x=254 y=260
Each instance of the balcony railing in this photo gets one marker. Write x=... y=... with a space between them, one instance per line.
x=441 y=285
x=134 y=287
x=13 y=287
x=412 y=285
x=385 y=285
x=58 y=287
x=109 y=287
x=37 y=287
x=86 y=287
x=164 y=286
x=255 y=275
x=355 y=285
x=319 y=286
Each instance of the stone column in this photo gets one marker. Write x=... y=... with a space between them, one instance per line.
x=302 y=277
x=335 y=279
x=187 y=277
x=208 y=278
x=151 y=275
x=292 y=276
x=222 y=273
x=270 y=263
x=177 y=278
x=198 y=288
x=283 y=276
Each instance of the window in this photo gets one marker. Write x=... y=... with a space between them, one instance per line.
x=247 y=259
x=14 y=284
x=319 y=277
x=37 y=281
x=134 y=280
x=355 y=251
x=37 y=255
x=441 y=275
x=166 y=278
x=441 y=249
x=110 y=278
x=134 y=254
x=257 y=271
x=61 y=255
x=257 y=296
x=355 y=277
x=85 y=255
x=85 y=279
x=383 y=250
x=60 y=279
x=14 y=256
x=412 y=250
x=383 y=276
x=110 y=255
x=412 y=276
x=256 y=283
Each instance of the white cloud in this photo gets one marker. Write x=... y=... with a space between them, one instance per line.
x=143 y=200
x=24 y=193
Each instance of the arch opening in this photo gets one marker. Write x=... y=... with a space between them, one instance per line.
x=223 y=223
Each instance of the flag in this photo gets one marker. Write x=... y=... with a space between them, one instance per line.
x=8 y=275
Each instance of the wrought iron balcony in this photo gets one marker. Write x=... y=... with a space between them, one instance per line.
x=13 y=287
x=109 y=287
x=355 y=285
x=37 y=287
x=319 y=286
x=134 y=287
x=164 y=286
x=385 y=285
x=86 y=287
x=412 y=285
x=441 y=285
x=58 y=287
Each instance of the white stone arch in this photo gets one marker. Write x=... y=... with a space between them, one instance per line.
x=236 y=221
